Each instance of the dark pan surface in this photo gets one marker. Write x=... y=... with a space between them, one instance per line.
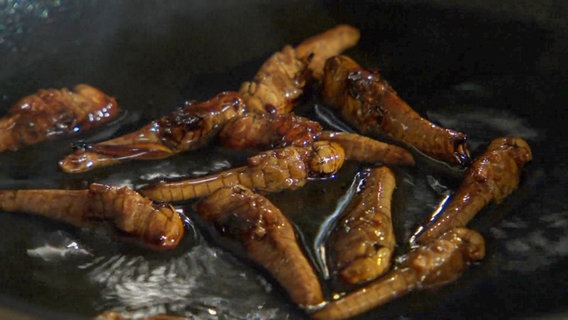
x=476 y=70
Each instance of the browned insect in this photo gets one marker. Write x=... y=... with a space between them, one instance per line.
x=51 y=113
x=267 y=131
x=362 y=242
x=491 y=177
x=269 y=171
x=264 y=131
x=433 y=264
x=323 y=46
x=369 y=103
x=277 y=85
x=281 y=79
x=187 y=128
x=158 y=226
x=364 y=149
x=267 y=237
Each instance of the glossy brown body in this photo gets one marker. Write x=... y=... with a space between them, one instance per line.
x=266 y=236
x=364 y=149
x=187 y=128
x=362 y=242
x=267 y=131
x=281 y=79
x=269 y=171
x=277 y=85
x=264 y=131
x=319 y=48
x=491 y=177
x=433 y=264
x=368 y=102
x=51 y=113
x=157 y=226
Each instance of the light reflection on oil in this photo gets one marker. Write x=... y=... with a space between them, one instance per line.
x=528 y=247
x=140 y=286
x=58 y=247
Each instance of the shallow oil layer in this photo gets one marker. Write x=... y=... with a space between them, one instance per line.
x=200 y=280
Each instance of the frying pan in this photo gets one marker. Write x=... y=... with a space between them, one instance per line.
x=479 y=68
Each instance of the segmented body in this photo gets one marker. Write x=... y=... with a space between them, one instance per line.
x=281 y=79
x=158 y=226
x=187 y=128
x=319 y=48
x=267 y=237
x=51 y=113
x=277 y=85
x=369 y=103
x=269 y=171
x=362 y=242
x=438 y=262
x=264 y=131
x=364 y=149
x=491 y=177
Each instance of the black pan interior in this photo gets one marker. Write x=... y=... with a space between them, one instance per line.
x=483 y=71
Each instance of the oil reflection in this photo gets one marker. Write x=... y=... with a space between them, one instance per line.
x=204 y=283
x=482 y=124
x=534 y=236
x=58 y=246
x=530 y=247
